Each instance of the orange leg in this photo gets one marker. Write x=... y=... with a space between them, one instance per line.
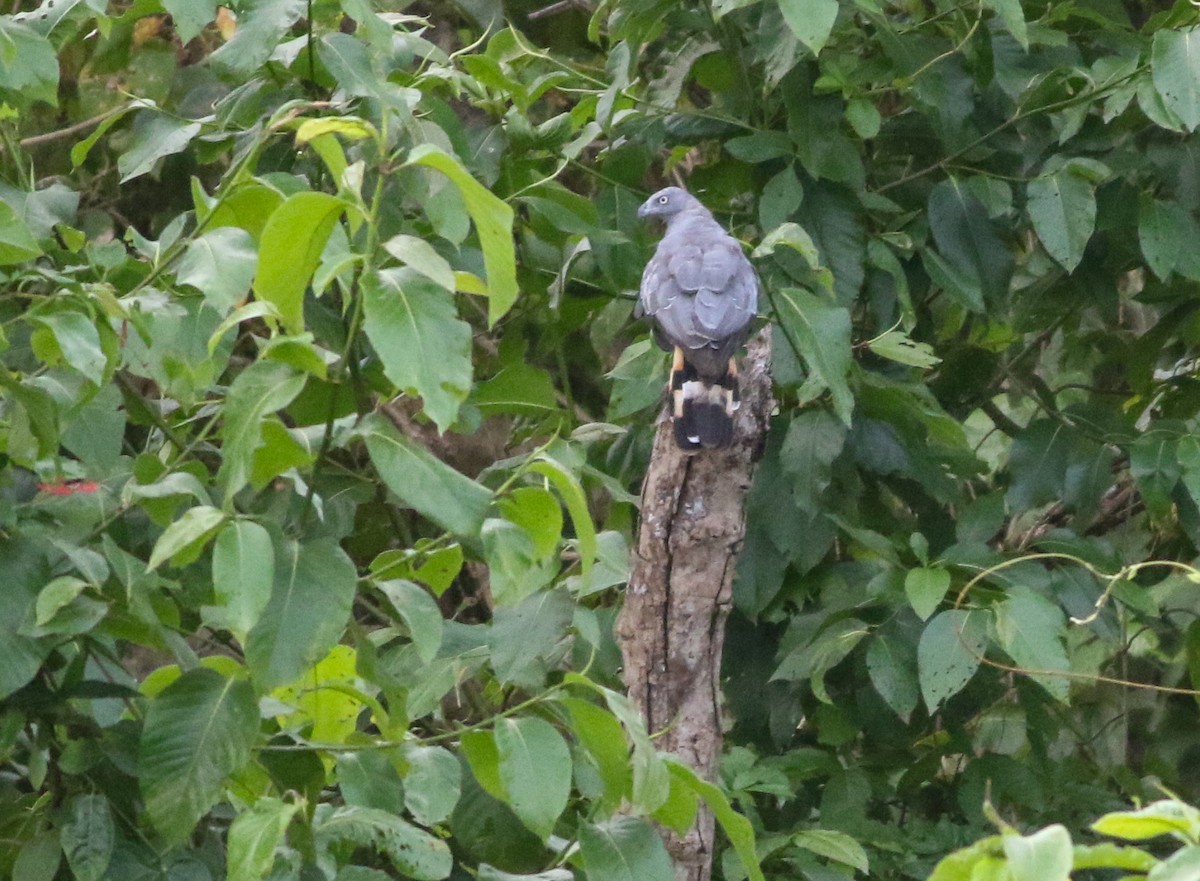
x=677 y=365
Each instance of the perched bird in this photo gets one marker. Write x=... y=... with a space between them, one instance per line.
x=701 y=293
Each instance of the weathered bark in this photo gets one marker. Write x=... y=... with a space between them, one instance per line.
x=672 y=628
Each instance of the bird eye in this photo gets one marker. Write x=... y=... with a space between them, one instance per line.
x=662 y=200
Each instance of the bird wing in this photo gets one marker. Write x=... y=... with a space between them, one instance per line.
x=700 y=289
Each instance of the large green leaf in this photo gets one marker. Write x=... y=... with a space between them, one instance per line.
x=254 y=835
x=624 y=849
x=28 y=64
x=425 y=348
x=432 y=783
x=413 y=851
x=424 y=482
x=243 y=567
x=975 y=262
x=1031 y=629
x=810 y=20
x=25 y=573
x=17 y=243
x=535 y=768
x=493 y=222
x=1175 y=63
x=88 y=837
x=949 y=654
x=289 y=250
x=190 y=16
x=1062 y=207
x=308 y=610
x=259 y=391
x=197 y=732
x=260 y=25
x=821 y=331
x=155 y=135
x=220 y=264
x=1046 y=855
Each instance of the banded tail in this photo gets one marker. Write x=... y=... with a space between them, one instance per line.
x=702 y=410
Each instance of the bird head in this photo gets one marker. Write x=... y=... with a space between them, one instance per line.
x=666 y=203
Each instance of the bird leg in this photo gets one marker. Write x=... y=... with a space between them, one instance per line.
x=729 y=382
x=677 y=380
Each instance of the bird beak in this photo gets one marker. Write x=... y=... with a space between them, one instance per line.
x=644 y=210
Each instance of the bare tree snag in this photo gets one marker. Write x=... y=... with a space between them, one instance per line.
x=672 y=628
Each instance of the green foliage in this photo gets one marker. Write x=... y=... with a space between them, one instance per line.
x=323 y=419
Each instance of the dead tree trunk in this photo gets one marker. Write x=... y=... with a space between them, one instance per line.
x=672 y=628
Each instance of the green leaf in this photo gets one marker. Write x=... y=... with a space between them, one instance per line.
x=761 y=146
x=539 y=513
x=1164 y=817
x=419 y=255
x=155 y=135
x=1165 y=231
x=190 y=17
x=926 y=588
x=190 y=532
x=1045 y=855
x=25 y=572
x=780 y=198
x=571 y=491
x=810 y=20
x=39 y=858
x=60 y=592
x=17 y=243
x=1011 y=14
x=891 y=665
x=220 y=264
x=1062 y=207
x=260 y=26
x=976 y=264
x=290 y=249
x=197 y=732
x=243 y=567
x=949 y=653
x=624 y=849
x=821 y=331
x=420 y=613
x=493 y=222
x=1183 y=865
x=1175 y=65
x=1112 y=856
x=895 y=345
x=254 y=835
x=425 y=348
x=77 y=342
x=348 y=60
x=834 y=845
x=412 y=851
x=1031 y=629
x=736 y=827
x=535 y=767
x=432 y=783
x=308 y=610
x=529 y=639
x=425 y=483
x=28 y=64
x=679 y=811
x=258 y=392
x=602 y=736
x=88 y=837
x=815 y=438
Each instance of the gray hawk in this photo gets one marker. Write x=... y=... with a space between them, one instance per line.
x=702 y=294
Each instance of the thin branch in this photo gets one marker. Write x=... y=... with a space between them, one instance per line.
x=76 y=128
